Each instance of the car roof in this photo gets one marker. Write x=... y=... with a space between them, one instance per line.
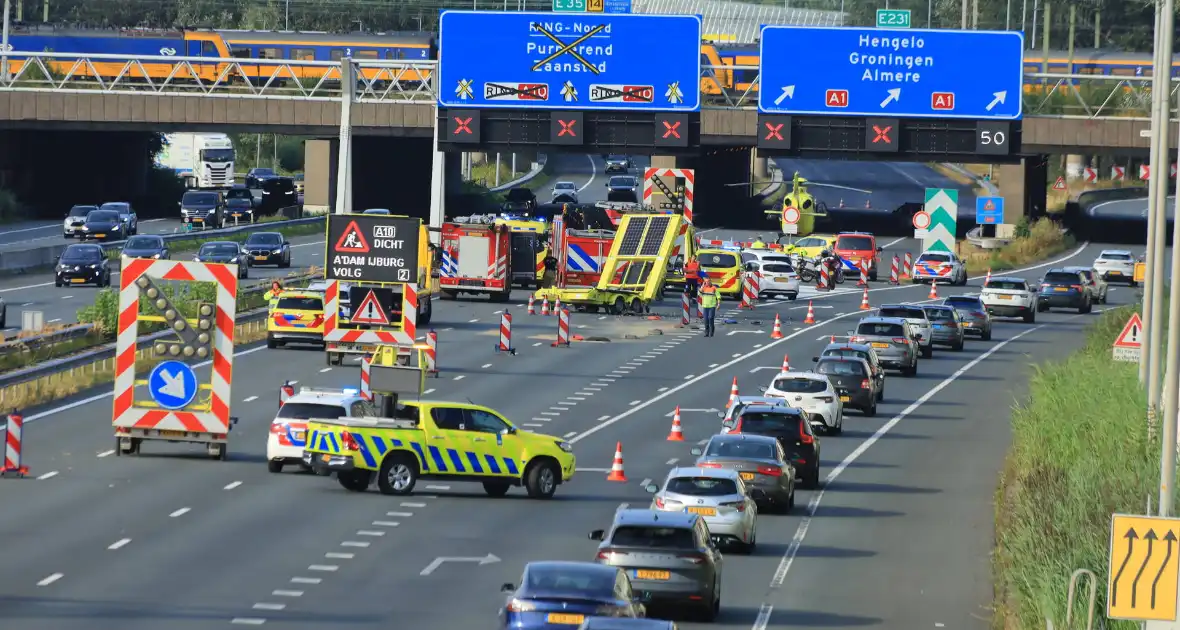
x=88 y=247
x=917 y=306
x=1080 y=268
x=840 y=359
x=324 y=398
x=877 y=319
x=800 y=374
x=234 y=243
x=847 y=345
x=963 y=296
x=635 y=516
x=743 y=437
x=1113 y=251
x=605 y=569
x=278 y=234
x=1006 y=279
x=937 y=307
x=115 y=203
x=751 y=400
x=1060 y=270
x=565 y=183
x=697 y=471
x=869 y=234
x=773 y=409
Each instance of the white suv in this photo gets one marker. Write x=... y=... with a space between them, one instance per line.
x=288 y=431
x=1010 y=297
x=1116 y=265
x=915 y=316
x=814 y=394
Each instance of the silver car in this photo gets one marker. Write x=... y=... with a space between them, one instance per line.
x=741 y=403
x=892 y=340
x=916 y=317
x=670 y=557
x=716 y=493
x=761 y=463
x=948 y=329
x=972 y=311
x=1098 y=287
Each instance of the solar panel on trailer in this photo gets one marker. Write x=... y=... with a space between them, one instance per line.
x=632 y=236
x=654 y=237
x=637 y=273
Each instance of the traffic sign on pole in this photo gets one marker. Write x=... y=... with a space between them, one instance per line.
x=921 y=221
x=989 y=210
x=1144 y=568
x=1129 y=344
x=942 y=204
x=569 y=61
x=886 y=18
x=858 y=71
x=791 y=218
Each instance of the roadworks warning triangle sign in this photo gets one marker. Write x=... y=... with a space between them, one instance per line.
x=1129 y=338
x=989 y=205
x=352 y=241
x=1059 y=184
x=370 y=312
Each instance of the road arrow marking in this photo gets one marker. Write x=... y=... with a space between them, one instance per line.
x=788 y=92
x=438 y=562
x=999 y=99
x=894 y=95
x=734 y=332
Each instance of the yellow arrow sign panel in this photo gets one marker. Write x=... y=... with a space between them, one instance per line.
x=1144 y=568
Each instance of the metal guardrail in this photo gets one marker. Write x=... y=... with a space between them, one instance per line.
x=400 y=81
x=32 y=342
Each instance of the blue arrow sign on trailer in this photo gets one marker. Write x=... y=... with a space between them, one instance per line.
x=876 y=72
x=172 y=384
x=576 y=61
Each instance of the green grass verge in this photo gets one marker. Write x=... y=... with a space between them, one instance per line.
x=1036 y=242
x=1080 y=452
x=30 y=355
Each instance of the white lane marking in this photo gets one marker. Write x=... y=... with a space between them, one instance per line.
x=400 y=514
x=713 y=365
x=570 y=433
x=663 y=389
x=472 y=321
x=417 y=505
x=48 y=475
x=323 y=567
x=534 y=425
x=486 y=365
x=643 y=484
x=608 y=379
x=536 y=344
x=580 y=469
x=250 y=399
x=635 y=402
x=550 y=413
x=338 y=555
x=327 y=369
x=593 y=174
x=438 y=487
x=386 y=523
x=690 y=377
x=763 y=618
x=580 y=397
x=119 y=544
x=428 y=392
x=604 y=418
x=541 y=419
x=370 y=532
x=55 y=320
x=589 y=391
x=268 y=606
x=354 y=543
x=305 y=580
x=51 y=579
x=672 y=461
x=248 y=621
x=181 y=512
x=232 y=485
x=459 y=378
x=67 y=297
x=284 y=593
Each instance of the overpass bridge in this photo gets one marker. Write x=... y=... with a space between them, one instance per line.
x=1090 y=114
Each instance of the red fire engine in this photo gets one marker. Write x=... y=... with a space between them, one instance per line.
x=476 y=258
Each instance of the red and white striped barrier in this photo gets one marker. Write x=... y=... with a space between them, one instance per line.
x=12 y=447
x=432 y=352
x=907 y=268
x=893 y=275
x=563 y=329
x=750 y=288
x=700 y=306
x=863 y=266
x=823 y=279
x=685 y=312
x=505 y=342
x=286 y=391
x=366 y=369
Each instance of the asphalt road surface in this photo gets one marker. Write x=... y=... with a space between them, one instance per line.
x=588 y=173
x=899 y=536
x=892 y=183
x=1128 y=209
x=43 y=233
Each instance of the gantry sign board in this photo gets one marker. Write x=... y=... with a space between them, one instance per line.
x=372 y=248
x=575 y=61
x=872 y=72
x=178 y=406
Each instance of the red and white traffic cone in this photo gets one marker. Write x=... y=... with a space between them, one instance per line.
x=432 y=352
x=505 y=342
x=556 y=306
x=893 y=275
x=287 y=390
x=933 y=291
x=545 y=305
x=733 y=393
x=532 y=307
x=810 y=319
x=988 y=277
x=677 y=435
x=786 y=363
x=563 y=329
x=616 y=467
x=864 y=301
x=777 y=333
x=13 y=447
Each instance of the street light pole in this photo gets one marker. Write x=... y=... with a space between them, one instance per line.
x=1148 y=277
x=4 y=41
x=1159 y=182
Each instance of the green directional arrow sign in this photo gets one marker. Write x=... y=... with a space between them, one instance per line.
x=942 y=204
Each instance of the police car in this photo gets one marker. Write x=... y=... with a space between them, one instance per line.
x=288 y=431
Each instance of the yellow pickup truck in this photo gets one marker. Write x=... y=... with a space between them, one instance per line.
x=438 y=440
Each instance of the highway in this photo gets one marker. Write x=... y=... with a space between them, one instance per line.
x=1128 y=209
x=588 y=173
x=899 y=537
x=43 y=233
x=892 y=183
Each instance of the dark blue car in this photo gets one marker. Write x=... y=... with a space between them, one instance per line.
x=566 y=594
x=1064 y=289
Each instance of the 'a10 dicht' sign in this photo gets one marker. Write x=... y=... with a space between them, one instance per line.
x=372 y=248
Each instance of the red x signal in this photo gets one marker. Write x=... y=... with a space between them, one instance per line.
x=670 y=129
x=461 y=125
x=882 y=134
x=774 y=132
x=567 y=128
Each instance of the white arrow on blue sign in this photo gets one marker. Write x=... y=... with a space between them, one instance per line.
x=172 y=384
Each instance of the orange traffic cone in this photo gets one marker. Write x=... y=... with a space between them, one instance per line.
x=777 y=333
x=545 y=306
x=988 y=277
x=933 y=291
x=864 y=301
x=616 y=469
x=810 y=314
x=532 y=307
x=676 y=435
x=733 y=393
x=786 y=363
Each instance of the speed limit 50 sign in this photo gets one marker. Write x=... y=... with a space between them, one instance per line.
x=372 y=248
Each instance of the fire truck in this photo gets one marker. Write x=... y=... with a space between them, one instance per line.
x=482 y=255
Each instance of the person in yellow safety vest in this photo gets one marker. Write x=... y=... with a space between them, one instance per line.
x=271 y=296
x=758 y=244
x=709 y=302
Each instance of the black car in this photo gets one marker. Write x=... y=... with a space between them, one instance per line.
x=239 y=191
x=277 y=193
x=793 y=431
x=225 y=252
x=268 y=248
x=239 y=210
x=104 y=225
x=202 y=207
x=82 y=264
x=146 y=246
x=622 y=188
x=552 y=593
x=520 y=200
x=256 y=176
x=126 y=214
x=1064 y=289
x=858 y=351
x=75 y=219
x=853 y=380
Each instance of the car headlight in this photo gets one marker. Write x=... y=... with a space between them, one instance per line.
x=196 y=259
x=116 y=227
x=157 y=255
x=277 y=251
x=85 y=229
x=94 y=266
x=565 y=446
x=234 y=260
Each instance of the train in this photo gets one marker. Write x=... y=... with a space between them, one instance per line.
x=733 y=74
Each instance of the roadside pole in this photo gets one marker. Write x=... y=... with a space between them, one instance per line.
x=344 y=158
x=1168 y=419
x=1153 y=160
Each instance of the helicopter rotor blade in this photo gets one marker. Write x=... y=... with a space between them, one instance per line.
x=853 y=189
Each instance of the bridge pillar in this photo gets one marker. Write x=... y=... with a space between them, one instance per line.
x=318 y=175
x=759 y=168
x=1024 y=187
x=663 y=161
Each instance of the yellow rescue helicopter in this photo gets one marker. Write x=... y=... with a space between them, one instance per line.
x=808 y=206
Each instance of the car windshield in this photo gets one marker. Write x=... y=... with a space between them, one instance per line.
x=777 y=268
x=702 y=486
x=934 y=258
x=265 y=238
x=940 y=314
x=82 y=254
x=1007 y=285
x=1114 y=256
x=303 y=411
x=237 y=202
x=217 y=155
x=653 y=537
x=840 y=368
x=902 y=312
x=219 y=249
x=263 y=171
x=847 y=352
x=622 y=181
x=1087 y=274
x=800 y=385
x=278 y=184
x=116 y=206
x=881 y=330
x=81 y=211
x=144 y=242
x=740 y=449
x=855 y=243
x=564 y=186
x=301 y=303
x=199 y=199
x=376 y=211
x=757 y=422
x=239 y=193
x=1061 y=277
x=963 y=302
x=102 y=216
x=616 y=158
x=718 y=261
x=572 y=580
x=521 y=194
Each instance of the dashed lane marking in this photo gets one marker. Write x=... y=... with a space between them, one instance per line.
x=285 y=593
x=269 y=606
x=354 y=543
x=250 y=399
x=414 y=505
x=370 y=532
x=181 y=512
x=306 y=580
x=107 y=453
x=248 y=621
x=231 y=485
x=400 y=514
x=119 y=544
x=323 y=567
x=48 y=475
x=50 y=579
x=339 y=555
x=386 y=523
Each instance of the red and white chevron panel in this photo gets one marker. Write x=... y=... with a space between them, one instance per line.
x=689 y=176
x=126 y=413
x=1118 y=173
x=1090 y=175
x=1144 y=172
x=404 y=337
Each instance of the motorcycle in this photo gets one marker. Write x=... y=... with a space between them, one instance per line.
x=806 y=268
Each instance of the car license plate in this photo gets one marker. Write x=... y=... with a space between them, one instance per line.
x=703 y=511
x=326 y=458
x=1115 y=273
x=747 y=476
x=1004 y=297
x=573 y=620
x=845 y=398
x=643 y=574
x=778 y=279
x=1060 y=289
x=172 y=433
x=260 y=258
x=100 y=236
x=880 y=345
x=78 y=280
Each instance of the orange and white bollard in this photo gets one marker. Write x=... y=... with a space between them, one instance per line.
x=893 y=274
x=988 y=277
x=749 y=291
x=677 y=434
x=505 y=342
x=545 y=305
x=13 y=447
x=777 y=332
x=733 y=393
x=933 y=291
x=366 y=376
x=907 y=268
x=563 y=329
x=685 y=310
x=786 y=363
x=810 y=314
x=864 y=301
x=863 y=267
x=287 y=390
x=432 y=352
x=616 y=467
x=825 y=281
x=532 y=306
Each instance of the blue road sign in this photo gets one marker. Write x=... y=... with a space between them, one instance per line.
x=989 y=210
x=569 y=61
x=172 y=384
x=886 y=73
x=616 y=6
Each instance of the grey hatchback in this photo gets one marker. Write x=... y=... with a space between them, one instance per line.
x=946 y=326
x=760 y=461
x=669 y=556
x=893 y=341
